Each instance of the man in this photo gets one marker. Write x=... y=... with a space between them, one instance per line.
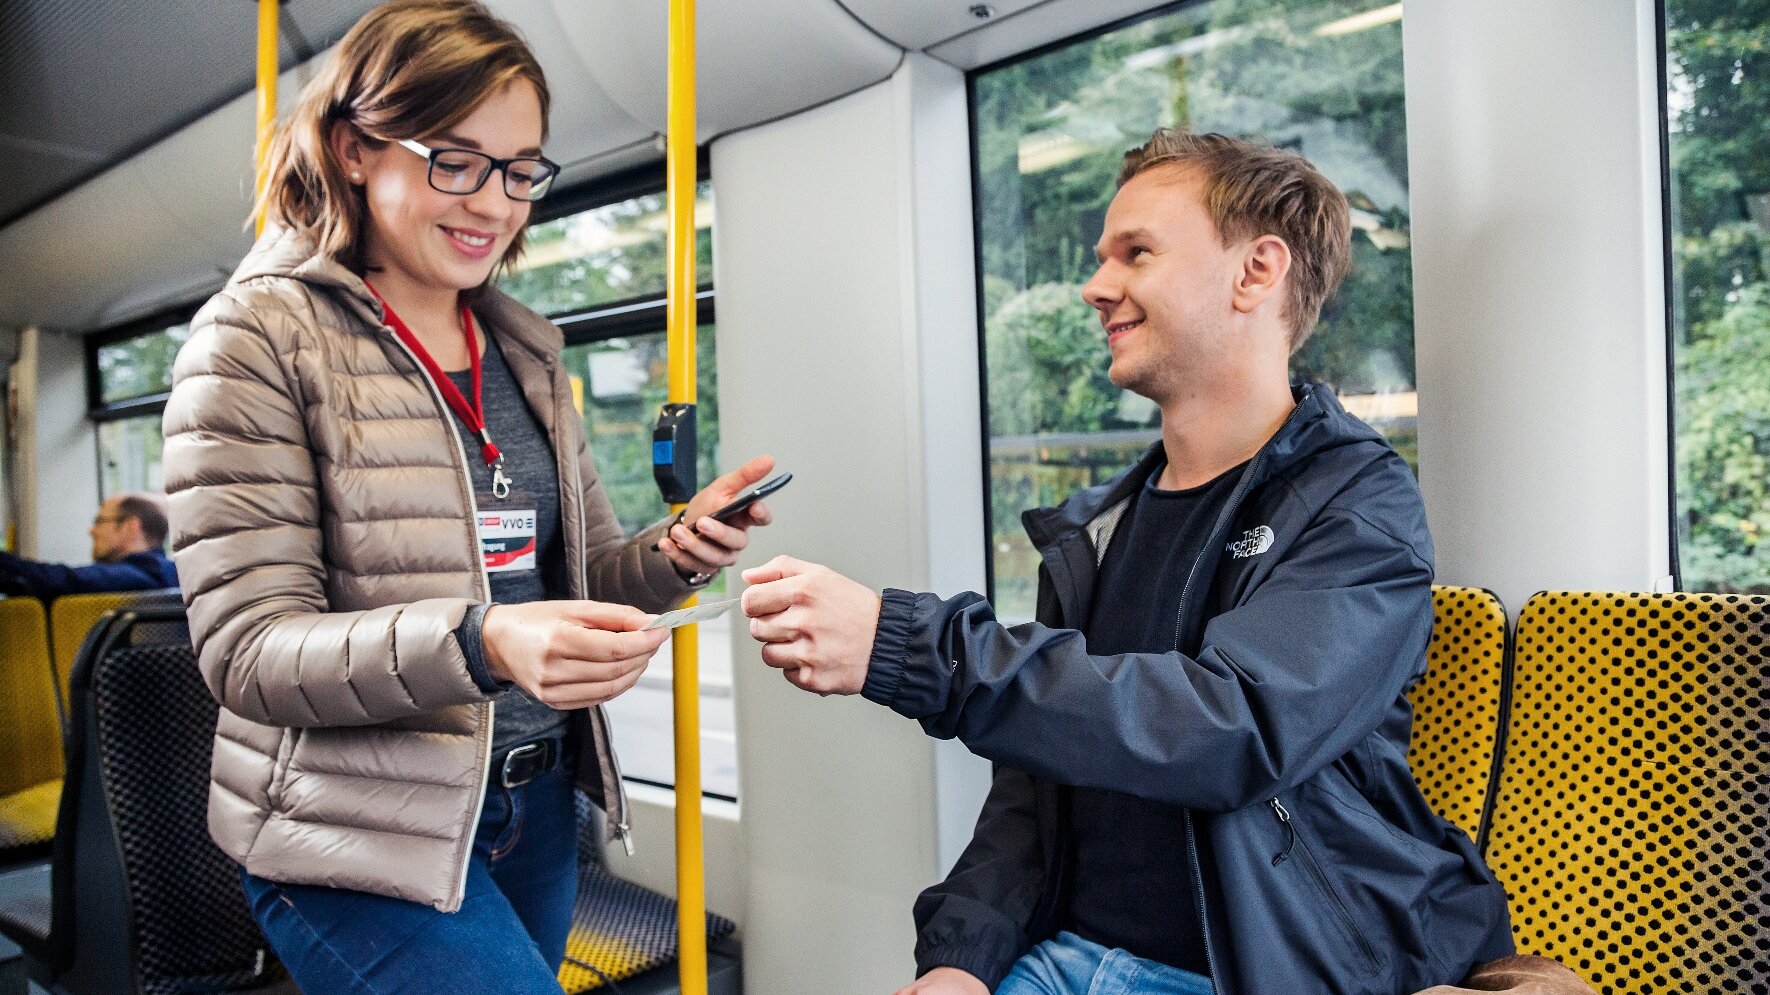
x=128 y=537
x=1201 y=775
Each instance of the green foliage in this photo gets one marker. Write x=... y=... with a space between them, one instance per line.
x=1718 y=55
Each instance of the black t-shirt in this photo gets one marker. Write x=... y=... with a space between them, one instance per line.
x=1133 y=883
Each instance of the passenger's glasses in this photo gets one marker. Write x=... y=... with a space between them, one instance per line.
x=464 y=171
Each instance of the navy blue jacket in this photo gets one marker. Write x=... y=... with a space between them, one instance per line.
x=1278 y=719
x=138 y=572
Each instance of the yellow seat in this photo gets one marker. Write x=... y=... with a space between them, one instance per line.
x=30 y=727
x=1457 y=706
x=28 y=816
x=1630 y=822
x=71 y=616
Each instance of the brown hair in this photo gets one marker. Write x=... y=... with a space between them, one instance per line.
x=147 y=510
x=1253 y=189
x=408 y=69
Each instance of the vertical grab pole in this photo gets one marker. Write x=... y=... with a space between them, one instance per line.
x=691 y=901
x=267 y=94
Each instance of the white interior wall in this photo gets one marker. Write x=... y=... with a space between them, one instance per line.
x=847 y=348
x=67 y=452
x=1539 y=290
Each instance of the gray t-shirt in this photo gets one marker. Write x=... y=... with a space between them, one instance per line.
x=521 y=573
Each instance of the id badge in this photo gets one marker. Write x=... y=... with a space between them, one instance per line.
x=507 y=533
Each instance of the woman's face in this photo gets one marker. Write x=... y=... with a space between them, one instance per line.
x=423 y=240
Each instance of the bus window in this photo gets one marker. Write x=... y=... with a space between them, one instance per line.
x=1719 y=147
x=1322 y=77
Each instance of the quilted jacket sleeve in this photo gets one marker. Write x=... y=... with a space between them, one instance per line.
x=245 y=507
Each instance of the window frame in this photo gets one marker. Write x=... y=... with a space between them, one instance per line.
x=100 y=410
x=1669 y=276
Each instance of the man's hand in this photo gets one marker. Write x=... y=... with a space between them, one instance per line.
x=945 y=981
x=700 y=545
x=815 y=625
x=568 y=654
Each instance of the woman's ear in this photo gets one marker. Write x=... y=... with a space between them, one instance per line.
x=347 y=145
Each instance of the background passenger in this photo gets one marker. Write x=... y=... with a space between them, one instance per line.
x=328 y=469
x=1201 y=776
x=128 y=554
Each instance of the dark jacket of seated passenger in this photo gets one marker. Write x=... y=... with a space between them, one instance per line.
x=147 y=571
x=1277 y=719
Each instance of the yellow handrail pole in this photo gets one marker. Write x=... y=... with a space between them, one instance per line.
x=691 y=899
x=267 y=93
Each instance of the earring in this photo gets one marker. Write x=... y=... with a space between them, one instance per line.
x=356 y=177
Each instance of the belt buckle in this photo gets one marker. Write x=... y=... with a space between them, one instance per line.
x=510 y=778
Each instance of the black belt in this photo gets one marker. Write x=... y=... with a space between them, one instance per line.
x=526 y=761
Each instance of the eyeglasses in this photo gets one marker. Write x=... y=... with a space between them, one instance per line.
x=464 y=171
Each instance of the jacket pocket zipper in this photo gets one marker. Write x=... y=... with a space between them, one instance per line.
x=1292 y=839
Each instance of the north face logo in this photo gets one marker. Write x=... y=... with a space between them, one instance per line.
x=1252 y=543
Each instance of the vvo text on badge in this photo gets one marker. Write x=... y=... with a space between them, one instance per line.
x=507 y=539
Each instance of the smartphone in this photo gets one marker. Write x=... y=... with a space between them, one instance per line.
x=742 y=503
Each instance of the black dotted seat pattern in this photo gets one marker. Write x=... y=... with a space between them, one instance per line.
x=619 y=929
x=156 y=727
x=1458 y=710
x=1632 y=822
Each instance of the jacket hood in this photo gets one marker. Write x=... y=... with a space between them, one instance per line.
x=290 y=253
x=1318 y=424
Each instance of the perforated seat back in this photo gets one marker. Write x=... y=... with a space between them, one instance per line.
x=1630 y=825
x=1458 y=711
x=152 y=723
x=30 y=728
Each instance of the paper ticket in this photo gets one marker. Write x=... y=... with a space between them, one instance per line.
x=689 y=616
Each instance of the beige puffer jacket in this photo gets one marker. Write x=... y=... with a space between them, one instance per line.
x=322 y=524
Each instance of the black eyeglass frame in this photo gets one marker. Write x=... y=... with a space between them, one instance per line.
x=502 y=166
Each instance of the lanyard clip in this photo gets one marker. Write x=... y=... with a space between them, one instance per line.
x=500 y=483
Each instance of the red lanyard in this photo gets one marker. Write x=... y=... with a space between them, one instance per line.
x=472 y=415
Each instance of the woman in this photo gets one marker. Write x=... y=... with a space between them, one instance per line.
x=367 y=446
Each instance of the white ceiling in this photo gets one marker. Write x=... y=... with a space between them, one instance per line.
x=166 y=224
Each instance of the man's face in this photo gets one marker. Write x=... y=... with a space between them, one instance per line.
x=113 y=535
x=1164 y=287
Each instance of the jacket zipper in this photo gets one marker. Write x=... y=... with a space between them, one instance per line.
x=621 y=819
x=1292 y=839
x=1198 y=885
x=485 y=583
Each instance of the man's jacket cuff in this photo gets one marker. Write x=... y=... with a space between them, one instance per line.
x=980 y=964
x=471 y=635
x=903 y=674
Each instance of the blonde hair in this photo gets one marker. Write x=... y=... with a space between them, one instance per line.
x=1253 y=189
x=408 y=69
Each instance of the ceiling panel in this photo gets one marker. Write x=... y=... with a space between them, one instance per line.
x=917 y=24
x=34 y=172
x=98 y=80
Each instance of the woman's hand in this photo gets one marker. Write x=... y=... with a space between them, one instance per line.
x=568 y=654
x=700 y=545
x=945 y=981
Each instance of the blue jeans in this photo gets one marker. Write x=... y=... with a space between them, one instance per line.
x=1070 y=965
x=508 y=937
